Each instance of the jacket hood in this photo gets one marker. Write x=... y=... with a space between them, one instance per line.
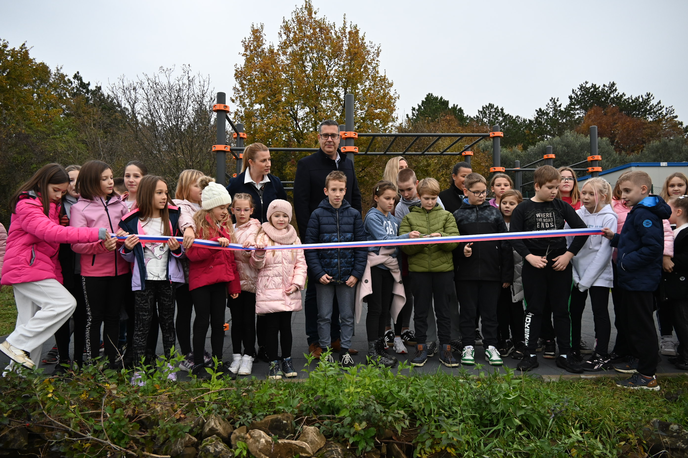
x=486 y=203
x=656 y=205
x=328 y=206
x=409 y=202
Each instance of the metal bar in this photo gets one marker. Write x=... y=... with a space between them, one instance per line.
x=496 y=147
x=421 y=134
x=466 y=148
x=390 y=144
x=452 y=144
x=220 y=139
x=431 y=144
x=372 y=139
x=548 y=151
x=240 y=144
x=231 y=123
x=593 y=149
x=409 y=145
x=349 y=122
x=518 y=175
x=535 y=162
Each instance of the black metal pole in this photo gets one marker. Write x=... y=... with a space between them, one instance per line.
x=518 y=176
x=496 y=147
x=594 y=150
x=549 y=160
x=221 y=139
x=349 y=122
x=239 y=143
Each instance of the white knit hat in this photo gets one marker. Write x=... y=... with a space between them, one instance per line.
x=213 y=196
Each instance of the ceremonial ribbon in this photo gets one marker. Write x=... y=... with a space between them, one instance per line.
x=394 y=242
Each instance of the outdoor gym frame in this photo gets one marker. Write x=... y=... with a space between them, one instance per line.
x=348 y=135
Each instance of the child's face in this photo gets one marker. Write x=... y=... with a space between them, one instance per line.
x=280 y=220
x=195 y=193
x=461 y=176
x=428 y=201
x=507 y=206
x=73 y=175
x=590 y=201
x=242 y=210
x=107 y=183
x=335 y=192
x=385 y=202
x=220 y=213
x=632 y=193
x=56 y=191
x=160 y=197
x=500 y=186
x=408 y=189
x=477 y=194
x=567 y=181
x=132 y=177
x=676 y=187
x=547 y=192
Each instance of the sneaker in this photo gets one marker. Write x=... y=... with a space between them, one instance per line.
x=432 y=349
x=447 y=357
x=17 y=355
x=628 y=367
x=597 y=363
x=207 y=358
x=576 y=355
x=519 y=351
x=314 y=350
x=62 y=368
x=421 y=356
x=492 y=356
x=377 y=354
x=389 y=338
x=456 y=345
x=245 y=366
x=199 y=370
x=639 y=382
x=408 y=336
x=667 y=347
x=468 y=355
x=568 y=364
x=550 y=350
x=505 y=348
x=616 y=358
x=222 y=371
x=399 y=347
x=329 y=358
x=236 y=362
x=288 y=368
x=584 y=349
x=51 y=357
x=187 y=364
x=275 y=371
x=528 y=363
x=478 y=338
x=346 y=360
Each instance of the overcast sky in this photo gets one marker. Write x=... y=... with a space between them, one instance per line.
x=516 y=54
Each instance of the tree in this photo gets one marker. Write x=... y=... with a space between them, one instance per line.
x=552 y=121
x=433 y=107
x=515 y=128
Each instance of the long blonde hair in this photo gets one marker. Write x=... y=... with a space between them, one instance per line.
x=250 y=153
x=391 y=172
x=575 y=193
x=187 y=178
x=206 y=228
x=664 y=194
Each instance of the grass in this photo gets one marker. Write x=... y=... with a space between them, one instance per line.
x=8 y=311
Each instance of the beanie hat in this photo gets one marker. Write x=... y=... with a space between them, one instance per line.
x=279 y=205
x=213 y=196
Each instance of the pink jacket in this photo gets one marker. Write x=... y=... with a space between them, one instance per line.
x=278 y=270
x=364 y=288
x=622 y=211
x=247 y=273
x=186 y=212
x=3 y=244
x=96 y=261
x=34 y=242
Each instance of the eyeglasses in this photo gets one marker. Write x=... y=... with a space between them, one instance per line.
x=567 y=179
x=330 y=136
x=478 y=193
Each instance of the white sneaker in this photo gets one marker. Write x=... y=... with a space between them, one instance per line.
x=399 y=346
x=246 y=365
x=468 y=355
x=667 y=347
x=17 y=355
x=236 y=363
x=492 y=356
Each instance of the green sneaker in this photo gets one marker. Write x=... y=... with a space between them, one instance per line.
x=468 y=355
x=492 y=356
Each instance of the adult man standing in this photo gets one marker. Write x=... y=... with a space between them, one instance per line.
x=309 y=185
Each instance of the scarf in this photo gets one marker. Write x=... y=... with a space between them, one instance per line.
x=283 y=237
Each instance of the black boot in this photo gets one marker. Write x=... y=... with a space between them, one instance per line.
x=375 y=356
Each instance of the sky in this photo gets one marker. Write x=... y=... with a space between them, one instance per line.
x=513 y=54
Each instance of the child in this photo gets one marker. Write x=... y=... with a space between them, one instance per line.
x=568 y=189
x=499 y=184
x=106 y=274
x=133 y=172
x=674 y=283
x=385 y=289
x=431 y=269
x=675 y=184
x=510 y=305
x=281 y=278
x=31 y=264
x=639 y=260
x=486 y=267
x=244 y=307
x=592 y=272
x=337 y=270
x=156 y=266
x=547 y=272
x=212 y=273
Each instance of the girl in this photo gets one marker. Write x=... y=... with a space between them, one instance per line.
x=244 y=307
x=592 y=272
x=107 y=275
x=510 y=305
x=499 y=184
x=281 y=278
x=675 y=184
x=188 y=199
x=212 y=273
x=133 y=172
x=385 y=289
x=674 y=283
x=156 y=265
x=568 y=188
x=31 y=265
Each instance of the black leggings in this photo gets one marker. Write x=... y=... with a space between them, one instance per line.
x=63 y=335
x=278 y=327
x=404 y=318
x=510 y=317
x=599 y=297
x=243 y=310
x=183 y=322
x=209 y=303
x=379 y=303
x=106 y=296
x=156 y=299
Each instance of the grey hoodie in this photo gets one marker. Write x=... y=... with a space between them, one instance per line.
x=402 y=207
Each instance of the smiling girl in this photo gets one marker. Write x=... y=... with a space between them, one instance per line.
x=499 y=184
x=568 y=187
x=133 y=172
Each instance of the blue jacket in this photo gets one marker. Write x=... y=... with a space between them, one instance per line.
x=271 y=191
x=381 y=227
x=327 y=225
x=641 y=245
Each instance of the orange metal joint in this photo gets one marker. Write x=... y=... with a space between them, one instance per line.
x=467 y=153
x=549 y=156
x=225 y=326
x=221 y=148
x=220 y=107
x=594 y=169
x=594 y=158
x=496 y=134
x=349 y=134
x=349 y=149
x=497 y=169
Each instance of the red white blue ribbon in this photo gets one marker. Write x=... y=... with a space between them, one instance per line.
x=394 y=242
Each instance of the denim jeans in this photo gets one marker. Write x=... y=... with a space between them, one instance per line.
x=345 y=298
x=310 y=309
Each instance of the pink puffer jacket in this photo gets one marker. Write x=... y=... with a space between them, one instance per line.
x=247 y=273
x=3 y=244
x=278 y=270
x=622 y=211
x=34 y=242
x=96 y=260
x=186 y=213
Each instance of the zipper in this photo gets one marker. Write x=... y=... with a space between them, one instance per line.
x=339 y=257
x=427 y=220
x=260 y=196
x=113 y=231
x=33 y=255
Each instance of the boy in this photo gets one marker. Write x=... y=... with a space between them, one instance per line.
x=639 y=261
x=431 y=269
x=486 y=268
x=337 y=270
x=547 y=271
x=407 y=183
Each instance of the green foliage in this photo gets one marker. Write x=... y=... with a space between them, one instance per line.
x=432 y=108
x=8 y=310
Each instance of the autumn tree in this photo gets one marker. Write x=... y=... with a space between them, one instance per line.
x=433 y=107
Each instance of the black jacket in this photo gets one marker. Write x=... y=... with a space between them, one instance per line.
x=452 y=198
x=271 y=191
x=675 y=283
x=309 y=183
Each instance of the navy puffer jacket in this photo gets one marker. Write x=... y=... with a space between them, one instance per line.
x=327 y=225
